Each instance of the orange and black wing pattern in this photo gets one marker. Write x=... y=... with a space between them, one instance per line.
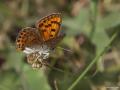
x=49 y=26
x=27 y=37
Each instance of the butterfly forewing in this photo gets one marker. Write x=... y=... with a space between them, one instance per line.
x=49 y=26
x=27 y=37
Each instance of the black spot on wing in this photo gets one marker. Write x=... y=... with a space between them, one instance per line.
x=40 y=25
x=53 y=30
x=51 y=35
x=55 y=22
x=49 y=25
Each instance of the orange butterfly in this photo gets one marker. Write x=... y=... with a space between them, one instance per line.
x=38 y=42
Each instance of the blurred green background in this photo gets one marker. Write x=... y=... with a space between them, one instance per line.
x=88 y=24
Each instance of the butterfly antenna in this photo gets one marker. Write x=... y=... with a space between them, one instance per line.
x=65 y=49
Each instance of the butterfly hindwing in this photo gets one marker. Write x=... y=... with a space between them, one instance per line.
x=53 y=42
x=49 y=26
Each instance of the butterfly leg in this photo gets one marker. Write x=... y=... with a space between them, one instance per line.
x=46 y=55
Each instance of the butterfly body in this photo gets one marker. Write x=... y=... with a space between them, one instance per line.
x=40 y=41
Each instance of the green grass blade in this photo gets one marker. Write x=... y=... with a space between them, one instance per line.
x=92 y=63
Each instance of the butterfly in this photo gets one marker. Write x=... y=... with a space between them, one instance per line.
x=37 y=43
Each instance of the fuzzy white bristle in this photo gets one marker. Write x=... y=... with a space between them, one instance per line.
x=28 y=50
x=44 y=51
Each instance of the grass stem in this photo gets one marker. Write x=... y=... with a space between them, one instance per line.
x=93 y=62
